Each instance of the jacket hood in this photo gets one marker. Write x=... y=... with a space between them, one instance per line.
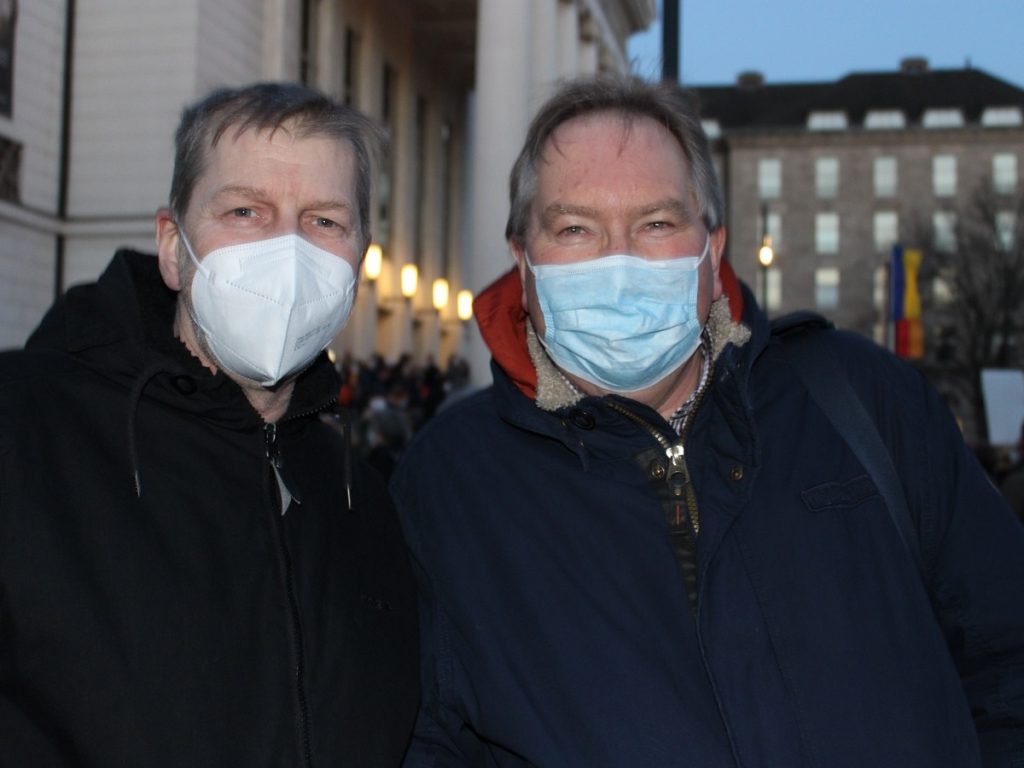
x=508 y=333
x=121 y=329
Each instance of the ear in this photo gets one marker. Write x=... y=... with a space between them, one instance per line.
x=717 y=248
x=167 y=248
x=519 y=254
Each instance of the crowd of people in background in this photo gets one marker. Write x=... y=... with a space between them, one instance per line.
x=1006 y=470
x=388 y=402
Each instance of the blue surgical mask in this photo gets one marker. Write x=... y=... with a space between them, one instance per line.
x=621 y=322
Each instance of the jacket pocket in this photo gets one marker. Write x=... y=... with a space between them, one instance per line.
x=839 y=495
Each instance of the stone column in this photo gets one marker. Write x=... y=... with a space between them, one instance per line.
x=500 y=112
x=568 y=38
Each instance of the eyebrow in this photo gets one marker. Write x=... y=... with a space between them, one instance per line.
x=671 y=205
x=256 y=193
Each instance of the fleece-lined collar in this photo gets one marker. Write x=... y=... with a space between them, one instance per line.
x=509 y=334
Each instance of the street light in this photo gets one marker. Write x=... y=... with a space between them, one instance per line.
x=765 y=256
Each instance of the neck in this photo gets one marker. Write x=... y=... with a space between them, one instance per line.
x=667 y=395
x=271 y=405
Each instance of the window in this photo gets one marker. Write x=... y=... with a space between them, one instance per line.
x=886 y=230
x=388 y=111
x=350 y=92
x=826 y=176
x=420 y=212
x=885 y=176
x=1006 y=230
x=1001 y=117
x=1004 y=173
x=942 y=118
x=10 y=170
x=944 y=175
x=769 y=177
x=942 y=291
x=880 y=119
x=880 y=288
x=773 y=228
x=826 y=121
x=944 y=231
x=826 y=287
x=826 y=233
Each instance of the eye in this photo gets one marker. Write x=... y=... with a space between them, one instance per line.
x=572 y=229
x=320 y=221
x=243 y=213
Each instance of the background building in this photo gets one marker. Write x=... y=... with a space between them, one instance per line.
x=837 y=173
x=91 y=91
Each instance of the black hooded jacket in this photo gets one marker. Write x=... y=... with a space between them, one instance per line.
x=157 y=607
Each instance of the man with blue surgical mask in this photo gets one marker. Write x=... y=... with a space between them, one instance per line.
x=647 y=545
x=195 y=570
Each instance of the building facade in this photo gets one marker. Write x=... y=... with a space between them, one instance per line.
x=837 y=173
x=95 y=89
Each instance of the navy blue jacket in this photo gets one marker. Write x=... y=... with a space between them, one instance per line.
x=555 y=628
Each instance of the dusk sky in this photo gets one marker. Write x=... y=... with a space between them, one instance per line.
x=811 y=40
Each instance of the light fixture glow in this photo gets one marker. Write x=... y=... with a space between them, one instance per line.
x=766 y=254
x=464 y=304
x=440 y=294
x=373 y=261
x=410 y=279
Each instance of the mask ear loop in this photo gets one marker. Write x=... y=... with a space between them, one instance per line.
x=188 y=247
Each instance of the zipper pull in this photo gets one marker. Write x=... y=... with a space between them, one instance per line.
x=679 y=484
x=676 y=477
x=270 y=442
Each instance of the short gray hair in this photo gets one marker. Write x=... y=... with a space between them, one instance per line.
x=269 y=106
x=667 y=103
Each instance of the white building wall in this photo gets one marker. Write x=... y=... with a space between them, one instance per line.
x=27 y=229
x=138 y=62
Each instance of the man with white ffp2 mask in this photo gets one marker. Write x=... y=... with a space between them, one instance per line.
x=205 y=572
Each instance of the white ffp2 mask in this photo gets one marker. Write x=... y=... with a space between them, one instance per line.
x=269 y=307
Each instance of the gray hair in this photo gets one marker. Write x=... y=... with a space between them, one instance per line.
x=667 y=103
x=269 y=106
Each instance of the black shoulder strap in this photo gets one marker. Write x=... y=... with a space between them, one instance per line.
x=814 y=362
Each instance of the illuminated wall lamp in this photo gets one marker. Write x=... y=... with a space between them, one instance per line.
x=440 y=294
x=372 y=262
x=464 y=304
x=409 y=280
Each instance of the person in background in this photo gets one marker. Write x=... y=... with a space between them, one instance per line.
x=194 y=570
x=645 y=545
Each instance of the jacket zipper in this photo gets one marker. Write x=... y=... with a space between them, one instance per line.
x=678 y=475
x=274 y=458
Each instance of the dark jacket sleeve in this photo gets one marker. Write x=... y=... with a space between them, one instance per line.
x=977 y=587
x=438 y=729
x=972 y=547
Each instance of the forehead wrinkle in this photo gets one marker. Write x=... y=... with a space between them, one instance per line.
x=241 y=189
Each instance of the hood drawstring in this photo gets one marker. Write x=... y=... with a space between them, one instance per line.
x=347 y=429
x=342 y=419
x=147 y=375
